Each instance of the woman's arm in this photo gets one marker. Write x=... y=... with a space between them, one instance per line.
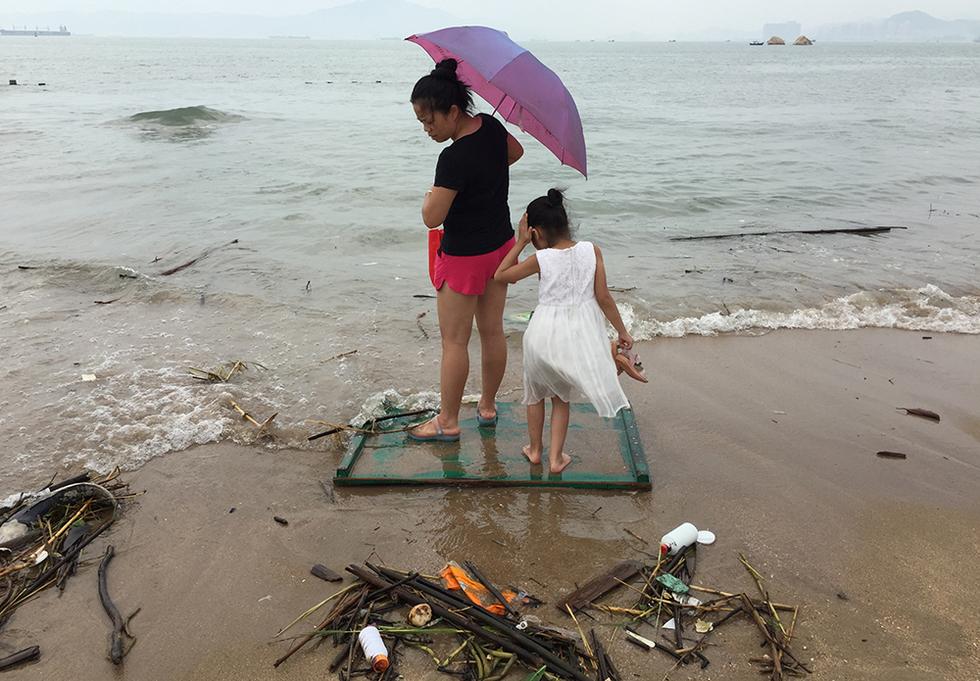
x=436 y=205
x=606 y=302
x=510 y=271
x=514 y=150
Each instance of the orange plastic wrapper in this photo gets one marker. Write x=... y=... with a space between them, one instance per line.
x=457 y=579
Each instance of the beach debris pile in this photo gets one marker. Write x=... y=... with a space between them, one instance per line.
x=42 y=535
x=370 y=426
x=665 y=600
x=472 y=629
x=467 y=625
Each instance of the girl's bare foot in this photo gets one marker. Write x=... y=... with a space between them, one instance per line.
x=533 y=456
x=562 y=464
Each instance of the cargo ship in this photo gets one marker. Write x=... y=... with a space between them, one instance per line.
x=35 y=32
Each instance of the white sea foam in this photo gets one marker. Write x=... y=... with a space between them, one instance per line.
x=925 y=309
x=131 y=418
x=389 y=400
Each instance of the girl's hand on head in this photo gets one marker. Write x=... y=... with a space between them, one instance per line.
x=625 y=341
x=523 y=231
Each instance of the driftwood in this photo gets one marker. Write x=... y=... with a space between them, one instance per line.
x=598 y=586
x=341 y=355
x=325 y=573
x=120 y=626
x=860 y=231
x=20 y=657
x=178 y=268
x=891 y=455
x=924 y=413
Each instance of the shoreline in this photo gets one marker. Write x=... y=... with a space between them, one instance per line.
x=769 y=441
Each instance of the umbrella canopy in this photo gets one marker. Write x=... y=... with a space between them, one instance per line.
x=525 y=92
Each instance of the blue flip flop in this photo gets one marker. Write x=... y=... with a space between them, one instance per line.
x=438 y=437
x=482 y=422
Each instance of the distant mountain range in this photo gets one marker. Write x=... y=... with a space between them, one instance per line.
x=905 y=27
x=360 y=20
x=373 y=19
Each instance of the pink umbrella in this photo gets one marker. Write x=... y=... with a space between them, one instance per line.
x=524 y=91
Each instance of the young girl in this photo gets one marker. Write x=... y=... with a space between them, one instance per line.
x=566 y=349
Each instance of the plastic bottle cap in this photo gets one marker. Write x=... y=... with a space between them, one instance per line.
x=706 y=537
x=379 y=663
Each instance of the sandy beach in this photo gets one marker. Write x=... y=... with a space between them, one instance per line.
x=769 y=441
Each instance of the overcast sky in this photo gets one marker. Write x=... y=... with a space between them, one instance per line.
x=601 y=15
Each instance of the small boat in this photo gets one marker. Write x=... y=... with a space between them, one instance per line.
x=756 y=42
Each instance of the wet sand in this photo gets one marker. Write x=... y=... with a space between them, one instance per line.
x=768 y=441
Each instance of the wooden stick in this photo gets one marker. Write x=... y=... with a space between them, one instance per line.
x=117 y=648
x=635 y=536
x=26 y=655
x=490 y=587
x=364 y=429
x=174 y=270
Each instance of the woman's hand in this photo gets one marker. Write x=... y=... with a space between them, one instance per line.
x=625 y=340
x=523 y=231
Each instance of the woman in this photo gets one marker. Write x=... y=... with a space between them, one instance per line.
x=468 y=198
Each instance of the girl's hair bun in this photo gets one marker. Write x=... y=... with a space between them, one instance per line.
x=555 y=197
x=446 y=68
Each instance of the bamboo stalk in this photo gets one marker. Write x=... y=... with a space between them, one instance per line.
x=762 y=591
x=792 y=625
x=263 y=427
x=313 y=610
x=768 y=634
x=585 y=642
x=708 y=590
x=339 y=609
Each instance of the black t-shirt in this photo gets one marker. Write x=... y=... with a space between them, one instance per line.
x=476 y=167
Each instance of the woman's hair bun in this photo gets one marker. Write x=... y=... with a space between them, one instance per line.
x=555 y=197
x=447 y=67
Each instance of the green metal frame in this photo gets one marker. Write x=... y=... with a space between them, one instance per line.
x=635 y=477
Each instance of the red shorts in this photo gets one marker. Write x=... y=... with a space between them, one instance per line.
x=469 y=274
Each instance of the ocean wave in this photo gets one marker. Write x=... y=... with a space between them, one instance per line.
x=133 y=417
x=182 y=124
x=924 y=309
x=183 y=116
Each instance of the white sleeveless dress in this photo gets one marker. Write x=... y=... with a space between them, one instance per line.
x=566 y=348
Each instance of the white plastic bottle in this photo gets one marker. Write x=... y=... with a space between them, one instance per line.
x=374 y=648
x=678 y=539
